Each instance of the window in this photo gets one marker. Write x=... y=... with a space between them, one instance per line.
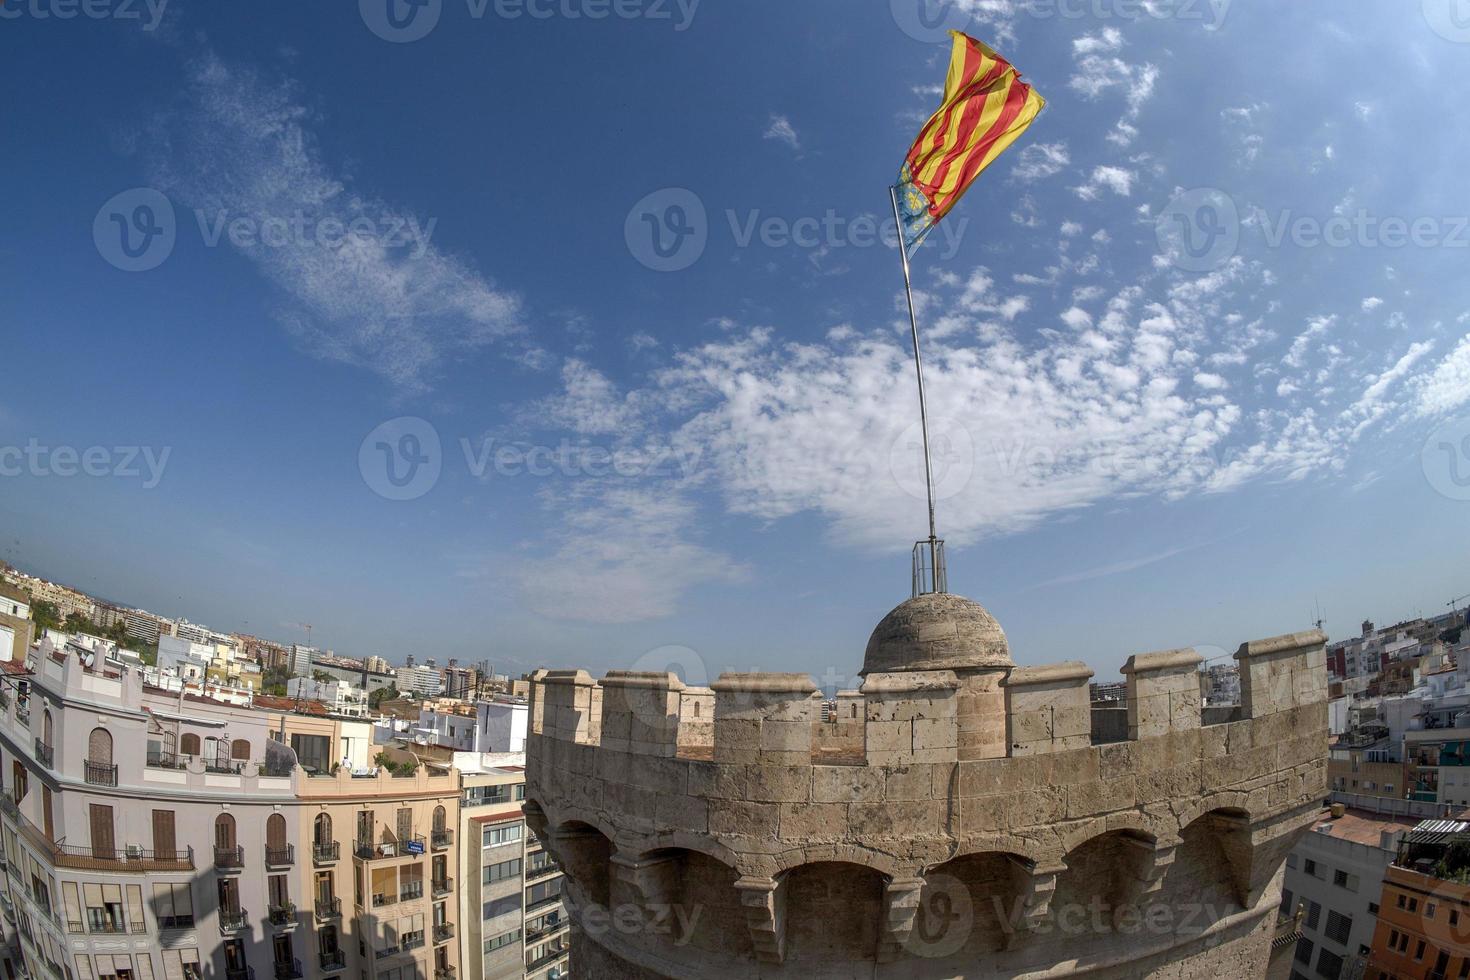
x=173 y=906
x=314 y=752
x=104 y=907
x=500 y=872
x=1429 y=910
x=495 y=836
x=1344 y=880
x=1419 y=950
x=1454 y=917
x=504 y=939
x=1403 y=900
x=502 y=906
x=1338 y=927
x=1304 y=951
x=1286 y=906
x=1329 y=964
x=1413 y=905
x=1314 y=913
x=1310 y=867
x=19 y=781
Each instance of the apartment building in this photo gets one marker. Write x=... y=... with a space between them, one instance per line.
x=1423 y=930
x=510 y=900
x=16 y=628
x=150 y=835
x=1333 y=877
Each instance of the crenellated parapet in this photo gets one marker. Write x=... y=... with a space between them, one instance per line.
x=736 y=797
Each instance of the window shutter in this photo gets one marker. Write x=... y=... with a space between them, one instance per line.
x=173 y=969
x=72 y=900
x=135 y=908
x=163 y=901
x=145 y=967
x=84 y=967
x=92 y=894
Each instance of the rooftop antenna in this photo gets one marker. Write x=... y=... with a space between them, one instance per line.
x=929 y=572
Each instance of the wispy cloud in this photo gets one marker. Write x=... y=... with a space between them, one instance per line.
x=241 y=146
x=782 y=131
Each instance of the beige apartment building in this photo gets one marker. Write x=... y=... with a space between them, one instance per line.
x=152 y=837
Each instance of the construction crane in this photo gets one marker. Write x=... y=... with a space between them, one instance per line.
x=1457 y=599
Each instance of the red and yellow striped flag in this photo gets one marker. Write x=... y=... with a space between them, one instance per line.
x=986 y=106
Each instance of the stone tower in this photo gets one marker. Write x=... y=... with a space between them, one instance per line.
x=958 y=817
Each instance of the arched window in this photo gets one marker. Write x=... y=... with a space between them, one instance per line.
x=439 y=816
x=321 y=832
x=99 y=747
x=240 y=750
x=696 y=709
x=224 y=832
x=46 y=728
x=189 y=744
x=854 y=711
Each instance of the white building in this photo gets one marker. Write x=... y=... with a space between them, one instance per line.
x=423 y=682
x=1335 y=875
x=340 y=697
x=496 y=726
x=186 y=659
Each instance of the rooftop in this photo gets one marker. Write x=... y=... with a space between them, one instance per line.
x=936 y=631
x=1364 y=826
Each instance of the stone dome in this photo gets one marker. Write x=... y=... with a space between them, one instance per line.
x=937 y=631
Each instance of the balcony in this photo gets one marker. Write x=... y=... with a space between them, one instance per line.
x=415 y=941
x=239 y=973
x=280 y=857
x=158 y=759
x=78 y=857
x=557 y=950
x=412 y=891
x=233 y=920
x=440 y=839
x=288 y=971
x=408 y=847
x=328 y=908
x=326 y=852
x=99 y=773
x=282 y=915
x=443 y=973
x=223 y=767
x=381 y=900
x=229 y=858
x=384 y=952
x=443 y=932
x=539 y=871
x=45 y=754
x=332 y=960
x=442 y=887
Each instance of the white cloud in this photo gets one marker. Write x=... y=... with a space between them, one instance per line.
x=240 y=147
x=1116 y=179
x=1316 y=326
x=782 y=131
x=1038 y=161
x=1099 y=70
x=1371 y=303
x=1447 y=387
x=1077 y=318
x=1210 y=382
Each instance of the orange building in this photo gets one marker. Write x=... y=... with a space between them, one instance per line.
x=1423 y=928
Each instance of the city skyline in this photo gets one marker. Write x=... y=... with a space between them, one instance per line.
x=1146 y=441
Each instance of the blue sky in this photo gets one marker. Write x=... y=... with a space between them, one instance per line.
x=1148 y=441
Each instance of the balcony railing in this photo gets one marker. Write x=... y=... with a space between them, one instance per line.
x=411 y=891
x=381 y=900
x=229 y=858
x=407 y=847
x=442 y=887
x=159 y=759
x=233 y=920
x=443 y=932
x=224 y=767
x=325 y=852
x=536 y=872
x=283 y=915
x=328 y=908
x=99 y=773
x=280 y=857
x=411 y=942
x=384 y=952
x=549 y=925
x=554 y=953
x=79 y=857
x=443 y=973
x=441 y=839
x=45 y=754
x=332 y=960
x=288 y=970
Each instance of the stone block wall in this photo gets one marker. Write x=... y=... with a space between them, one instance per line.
x=871 y=848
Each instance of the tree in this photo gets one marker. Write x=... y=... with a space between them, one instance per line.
x=77 y=623
x=376 y=698
x=322 y=676
x=46 y=616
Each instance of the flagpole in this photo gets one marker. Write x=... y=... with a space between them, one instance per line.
x=908 y=289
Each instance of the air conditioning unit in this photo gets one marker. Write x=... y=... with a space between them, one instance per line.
x=134 y=852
